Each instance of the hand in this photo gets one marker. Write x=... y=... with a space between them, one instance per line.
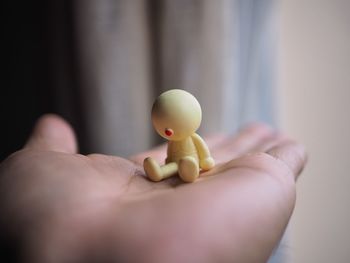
x=207 y=163
x=58 y=206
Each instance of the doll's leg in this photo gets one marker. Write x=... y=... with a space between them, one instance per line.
x=188 y=169
x=155 y=172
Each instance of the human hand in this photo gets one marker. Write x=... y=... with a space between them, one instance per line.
x=59 y=206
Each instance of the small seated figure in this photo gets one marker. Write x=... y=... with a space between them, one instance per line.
x=176 y=115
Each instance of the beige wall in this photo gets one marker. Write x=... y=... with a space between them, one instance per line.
x=315 y=90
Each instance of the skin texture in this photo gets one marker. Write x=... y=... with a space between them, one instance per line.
x=60 y=206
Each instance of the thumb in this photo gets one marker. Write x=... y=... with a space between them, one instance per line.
x=52 y=133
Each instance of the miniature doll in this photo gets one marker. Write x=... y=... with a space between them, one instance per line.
x=176 y=115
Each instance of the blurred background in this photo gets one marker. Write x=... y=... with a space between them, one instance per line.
x=314 y=87
x=100 y=64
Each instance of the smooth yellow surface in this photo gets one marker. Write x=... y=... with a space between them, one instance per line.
x=179 y=111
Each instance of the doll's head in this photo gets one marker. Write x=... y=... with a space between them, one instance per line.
x=176 y=114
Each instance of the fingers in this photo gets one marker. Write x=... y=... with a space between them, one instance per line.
x=266 y=144
x=253 y=138
x=223 y=148
x=249 y=139
x=52 y=133
x=254 y=144
x=292 y=154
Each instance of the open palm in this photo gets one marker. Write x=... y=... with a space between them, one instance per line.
x=61 y=206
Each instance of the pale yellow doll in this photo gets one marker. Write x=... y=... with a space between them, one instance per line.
x=176 y=115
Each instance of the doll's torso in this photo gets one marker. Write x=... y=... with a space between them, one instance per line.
x=179 y=149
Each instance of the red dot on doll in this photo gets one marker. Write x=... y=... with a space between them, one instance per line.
x=169 y=132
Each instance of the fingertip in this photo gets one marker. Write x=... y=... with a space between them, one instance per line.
x=293 y=154
x=52 y=132
x=247 y=139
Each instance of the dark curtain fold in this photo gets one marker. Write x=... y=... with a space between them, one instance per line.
x=100 y=64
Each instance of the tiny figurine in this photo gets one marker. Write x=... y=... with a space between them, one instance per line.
x=176 y=115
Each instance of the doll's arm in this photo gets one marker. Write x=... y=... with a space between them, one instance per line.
x=206 y=162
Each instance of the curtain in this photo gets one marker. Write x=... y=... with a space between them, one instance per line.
x=101 y=63
x=128 y=52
